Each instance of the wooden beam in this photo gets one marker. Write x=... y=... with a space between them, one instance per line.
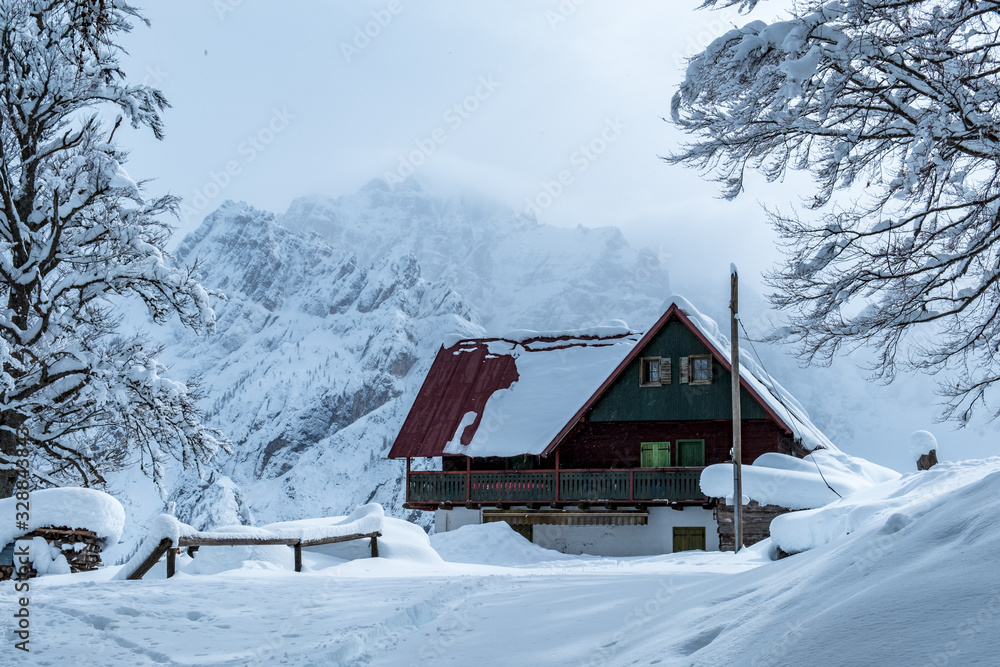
x=237 y=541
x=340 y=538
x=171 y=561
x=151 y=560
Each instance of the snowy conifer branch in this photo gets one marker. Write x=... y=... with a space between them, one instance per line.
x=893 y=104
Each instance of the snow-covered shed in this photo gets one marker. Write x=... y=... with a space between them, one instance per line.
x=586 y=440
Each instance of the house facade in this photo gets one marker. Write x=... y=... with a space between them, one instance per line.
x=589 y=441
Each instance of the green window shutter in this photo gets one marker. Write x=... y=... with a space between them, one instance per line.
x=654 y=455
x=685 y=370
x=691 y=453
x=688 y=539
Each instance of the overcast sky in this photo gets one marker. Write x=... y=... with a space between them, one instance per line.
x=272 y=101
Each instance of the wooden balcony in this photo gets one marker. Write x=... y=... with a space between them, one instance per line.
x=506 y=487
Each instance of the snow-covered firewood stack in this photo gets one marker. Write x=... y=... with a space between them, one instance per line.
x=64 y=529
x=80 y=547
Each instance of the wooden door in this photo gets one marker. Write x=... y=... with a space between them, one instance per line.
x=688 y=539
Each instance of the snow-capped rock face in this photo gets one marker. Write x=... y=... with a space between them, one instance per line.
x=315 y=356
x=333 y=314
x=517 y=272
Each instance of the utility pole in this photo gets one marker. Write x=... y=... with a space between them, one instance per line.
x=734 y=337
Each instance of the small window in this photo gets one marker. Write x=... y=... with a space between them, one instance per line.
x=691 y=453
x=649 y=372
x=701 y=369
x=654 y=455
x=654 y=371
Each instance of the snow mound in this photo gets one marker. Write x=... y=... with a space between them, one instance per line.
x=401 y=540
x=72 y=507
x=889 y=507
x=787 y=481
x=45 y=558
x=914 y=583
x=922 y=442
x=493 y=543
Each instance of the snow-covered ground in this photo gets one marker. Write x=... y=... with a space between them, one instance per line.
x=904 y=573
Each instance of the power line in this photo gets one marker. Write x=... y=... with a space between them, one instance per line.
x=760 y=362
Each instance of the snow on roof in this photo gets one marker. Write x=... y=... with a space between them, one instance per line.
x=556 y=375
x=793 y=483
x=72 y=507
x=521 y=394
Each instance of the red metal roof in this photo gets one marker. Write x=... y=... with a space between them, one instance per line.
x=461 y=380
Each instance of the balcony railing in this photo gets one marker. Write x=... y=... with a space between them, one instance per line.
x=548 y=486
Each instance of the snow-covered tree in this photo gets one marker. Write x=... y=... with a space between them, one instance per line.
x=892 y=106
x=77 y=237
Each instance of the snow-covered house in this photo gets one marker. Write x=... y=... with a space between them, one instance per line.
x=590 y=441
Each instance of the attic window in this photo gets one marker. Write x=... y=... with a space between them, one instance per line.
x=654 y=371
x=701 y=369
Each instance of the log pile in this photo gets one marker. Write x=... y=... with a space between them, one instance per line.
x=756 y=523
x=80 y=547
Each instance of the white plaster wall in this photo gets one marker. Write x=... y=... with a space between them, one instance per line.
x=656 y=537
x=445 y=520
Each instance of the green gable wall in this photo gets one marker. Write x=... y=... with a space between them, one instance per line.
x=625 y=400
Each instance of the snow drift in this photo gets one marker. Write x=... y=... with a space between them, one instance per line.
x=820 y=478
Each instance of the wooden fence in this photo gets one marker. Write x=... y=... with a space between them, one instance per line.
x=167 y=546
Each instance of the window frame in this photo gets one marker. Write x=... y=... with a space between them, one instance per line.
x=644 y=380
x=691 y=376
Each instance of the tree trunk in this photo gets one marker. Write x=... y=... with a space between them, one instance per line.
x=18 y=304
x=8 y=446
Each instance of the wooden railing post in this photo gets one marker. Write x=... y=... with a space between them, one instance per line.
x=557 y=474
x=298 y=556
x=468 y=479
x=374 y=546
x=171 y=561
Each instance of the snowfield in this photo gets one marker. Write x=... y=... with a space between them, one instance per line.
x=908 y=578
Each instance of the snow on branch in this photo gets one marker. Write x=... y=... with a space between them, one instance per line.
x=892 y=107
